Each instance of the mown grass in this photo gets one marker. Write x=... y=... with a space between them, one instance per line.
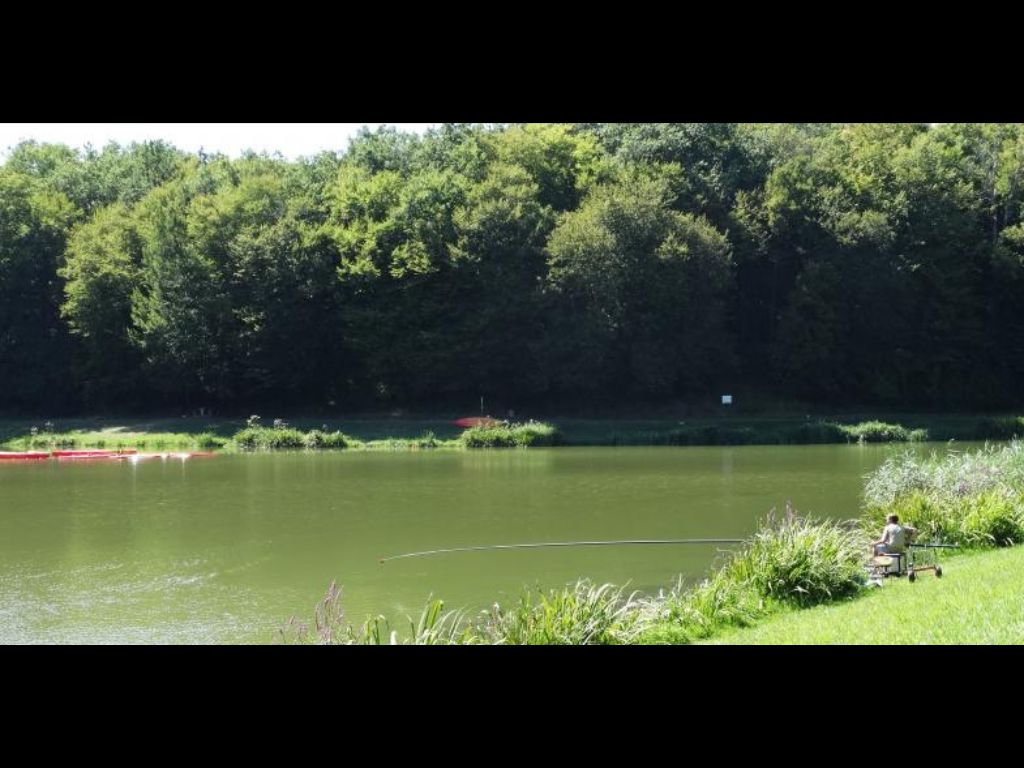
x=978 y=600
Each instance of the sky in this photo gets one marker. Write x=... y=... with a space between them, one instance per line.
x=292 y=140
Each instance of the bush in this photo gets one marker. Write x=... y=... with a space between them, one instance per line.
x=253 y=438
x=330 y=626
x=581 y=614
x=325 y=440
x=687 y=615
x=427 y=440
x=209 y=440
x=505 y=435
x=803 y=561
x=987 y=519
x=971 y=499
x=992 y=519
x=880 y=432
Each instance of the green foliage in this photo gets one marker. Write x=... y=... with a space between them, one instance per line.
x=331 y=627
x=791 y=561
x=34 y=343
x=972 y=499
x=686 y=615
x=1006 y=428
x=321 y=440
x=582 y=614
x=209 y=440
x=504 y=435
x=880 y=432
x=801 y=560
x=878 y=264
x=264 y=438
x=640 y=293
x=814 y=433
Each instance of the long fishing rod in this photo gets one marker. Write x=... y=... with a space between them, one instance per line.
x=562 y=544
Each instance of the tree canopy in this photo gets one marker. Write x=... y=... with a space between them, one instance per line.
x=531 y=264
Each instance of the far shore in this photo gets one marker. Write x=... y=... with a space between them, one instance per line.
x=440 y=431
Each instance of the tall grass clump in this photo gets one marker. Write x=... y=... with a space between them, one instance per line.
x=330 y=626
x=505 y=435
x=209 y=440
x=880 y=432
x=685 y=615
x=954 y=475
x=319 y=440
x=971 y=499
x=581 y=614
x=801 y=560
x=792 y=561
x=264 y=438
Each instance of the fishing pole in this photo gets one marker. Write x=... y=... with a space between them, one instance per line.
x=562 y=544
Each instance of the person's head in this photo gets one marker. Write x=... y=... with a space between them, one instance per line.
x=892 y=519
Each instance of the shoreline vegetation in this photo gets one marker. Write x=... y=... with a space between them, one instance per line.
x=973 y=499
x=415 y=434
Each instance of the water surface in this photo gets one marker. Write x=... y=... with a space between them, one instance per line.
x=224 y=550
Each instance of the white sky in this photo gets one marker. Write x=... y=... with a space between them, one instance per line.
x=290 y=139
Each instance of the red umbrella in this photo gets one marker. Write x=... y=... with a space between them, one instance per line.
x=475 y=421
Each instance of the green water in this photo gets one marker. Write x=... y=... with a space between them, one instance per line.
x=224 y=550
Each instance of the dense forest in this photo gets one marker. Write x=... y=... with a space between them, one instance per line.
x=546 y=265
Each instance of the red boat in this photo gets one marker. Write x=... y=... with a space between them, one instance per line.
x=92 y=452
x=12 y=456
x=476 y=421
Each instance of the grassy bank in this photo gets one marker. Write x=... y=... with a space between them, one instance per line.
x=978 y=600
x=410 y=433
x=974 y=500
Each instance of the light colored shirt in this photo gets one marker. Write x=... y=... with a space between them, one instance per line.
x=895 y=537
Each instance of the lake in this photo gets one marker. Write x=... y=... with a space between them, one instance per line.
x=225 y=549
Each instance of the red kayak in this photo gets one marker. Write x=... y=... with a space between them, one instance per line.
x=93 y=452
x=12 y=456
x=476 y=421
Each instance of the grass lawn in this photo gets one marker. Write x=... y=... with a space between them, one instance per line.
x=978 y=600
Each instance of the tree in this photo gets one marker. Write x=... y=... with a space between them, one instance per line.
x=640 y=295
x=34 y=345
